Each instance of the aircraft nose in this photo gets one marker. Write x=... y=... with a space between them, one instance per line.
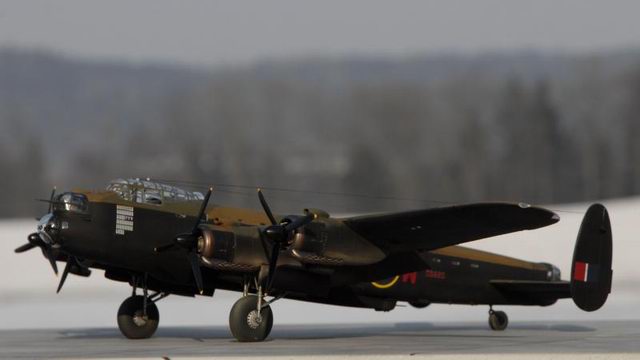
x=48 y=229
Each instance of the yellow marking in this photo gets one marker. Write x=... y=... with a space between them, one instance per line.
x=478 y=255
x=387 y=285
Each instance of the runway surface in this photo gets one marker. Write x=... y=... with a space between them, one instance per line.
x=400 y=339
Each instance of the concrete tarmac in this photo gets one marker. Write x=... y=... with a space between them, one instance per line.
x=320 y=341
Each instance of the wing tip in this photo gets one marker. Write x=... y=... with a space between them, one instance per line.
x=545 y=217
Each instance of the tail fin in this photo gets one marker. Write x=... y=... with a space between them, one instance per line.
x=591 y=272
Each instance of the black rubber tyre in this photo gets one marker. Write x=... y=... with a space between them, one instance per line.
x=419 y=304
x=498 y=320
x=269 y=322
x=244 y=323
x=132 y=323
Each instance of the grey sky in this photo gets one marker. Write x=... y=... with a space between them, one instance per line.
x=217 y=32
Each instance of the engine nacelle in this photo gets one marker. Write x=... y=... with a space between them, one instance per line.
x=238 y=250
x=328 y=242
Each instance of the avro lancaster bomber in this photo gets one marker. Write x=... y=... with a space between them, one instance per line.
x=163 y=241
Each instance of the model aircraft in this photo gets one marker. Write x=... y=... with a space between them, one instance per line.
x=163 y=240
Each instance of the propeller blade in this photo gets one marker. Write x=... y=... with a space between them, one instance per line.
x=273 y=261
x=299 y=222
x=52 y=260
x=50 y=202
x=266 y=208
x=65 y=272
x=25 y=247
x=163 y=248
x=187 y=241
x=203 y=208
x=53 y=193
x=195 y=267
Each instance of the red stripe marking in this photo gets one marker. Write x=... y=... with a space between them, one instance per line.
x=580 y=271
x=436 y=274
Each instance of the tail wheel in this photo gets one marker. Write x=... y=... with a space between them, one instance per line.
x=418 y=304
x=246 y=323
x=136 y=323
x=498 y=320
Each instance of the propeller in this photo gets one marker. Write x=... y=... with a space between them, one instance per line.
x=48 y=251
x=189 y=242
x=50 y=201
x=266 y=208
x=279 y=234
x=26 y=247
x=73 y=266
x=45 y=239
x=53 y=194
x=36 y=239
x=65 y=272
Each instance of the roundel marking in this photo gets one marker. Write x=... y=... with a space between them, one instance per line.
x=387 y=285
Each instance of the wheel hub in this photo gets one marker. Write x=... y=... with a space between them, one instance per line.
x=254 y=319
x=139 y=319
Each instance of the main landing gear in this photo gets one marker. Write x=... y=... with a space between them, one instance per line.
x=498 y=320
x=138 y=316
x=251 y=318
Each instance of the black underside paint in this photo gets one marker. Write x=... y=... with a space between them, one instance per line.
x=454 y=280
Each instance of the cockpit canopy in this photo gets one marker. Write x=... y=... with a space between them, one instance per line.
x=72 y=202
x=151 y=192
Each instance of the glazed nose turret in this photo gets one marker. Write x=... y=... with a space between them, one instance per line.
x=47 y=236
x=49 y=229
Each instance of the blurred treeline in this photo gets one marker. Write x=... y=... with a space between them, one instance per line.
x=539 y=128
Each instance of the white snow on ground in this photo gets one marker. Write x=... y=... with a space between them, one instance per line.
x=28 y=298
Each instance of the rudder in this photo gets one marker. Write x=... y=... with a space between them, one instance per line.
x=591 y=272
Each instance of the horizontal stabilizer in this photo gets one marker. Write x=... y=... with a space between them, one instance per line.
x=539 y=292
x=591 y=272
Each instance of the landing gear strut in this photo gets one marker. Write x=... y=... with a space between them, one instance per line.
x=138 y=316
x=498 y=320
x=251 y=318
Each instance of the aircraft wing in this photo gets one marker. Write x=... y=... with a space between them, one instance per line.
x=405 y=236
x=430 y=229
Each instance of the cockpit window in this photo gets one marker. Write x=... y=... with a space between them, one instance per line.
x=150 y=192
x=72 y=202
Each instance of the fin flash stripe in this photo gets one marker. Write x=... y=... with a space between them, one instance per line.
x=585 y=272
